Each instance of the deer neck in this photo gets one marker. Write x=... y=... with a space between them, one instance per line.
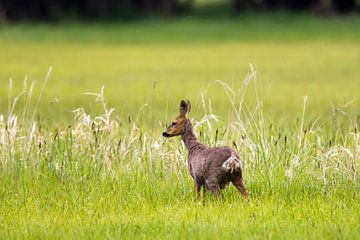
x=189 y=136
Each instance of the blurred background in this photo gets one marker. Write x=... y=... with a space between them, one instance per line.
x=149 y=54
x=130 y=9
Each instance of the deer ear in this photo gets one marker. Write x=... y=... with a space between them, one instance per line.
x=188 y=105
x=184 y=107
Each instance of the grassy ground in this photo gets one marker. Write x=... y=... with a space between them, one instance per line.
x=96 y=174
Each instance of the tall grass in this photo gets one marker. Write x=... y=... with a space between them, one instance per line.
x=111 y=163
x=107 y=141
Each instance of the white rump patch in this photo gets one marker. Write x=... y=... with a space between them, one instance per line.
x=232 y=164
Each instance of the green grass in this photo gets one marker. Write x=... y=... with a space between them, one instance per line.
x=294 y=56
x=96 y=174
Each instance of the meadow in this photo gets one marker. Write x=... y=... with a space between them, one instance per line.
x=82 y=154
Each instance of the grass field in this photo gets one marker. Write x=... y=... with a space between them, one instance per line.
x=97 y=173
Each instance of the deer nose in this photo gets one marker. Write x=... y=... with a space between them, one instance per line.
x=165 y=134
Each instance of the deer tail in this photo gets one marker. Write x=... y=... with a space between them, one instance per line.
x=232 y=164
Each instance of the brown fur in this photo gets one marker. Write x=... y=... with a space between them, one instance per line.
x=210 y=167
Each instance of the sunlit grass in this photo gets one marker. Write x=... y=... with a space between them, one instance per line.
x=74 y=168
x=107 y=175
x=294 y=55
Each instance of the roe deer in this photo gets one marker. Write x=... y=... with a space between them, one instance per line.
x=210 y=167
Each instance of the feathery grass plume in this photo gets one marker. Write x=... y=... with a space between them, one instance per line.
x=106 y=144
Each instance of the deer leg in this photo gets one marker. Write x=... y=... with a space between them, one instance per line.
x=204 y=191
x=217 y=192
x=239 y=184
x=215 y=189
x=197 y=189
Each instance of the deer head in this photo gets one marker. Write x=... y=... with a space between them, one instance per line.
x=177 y=126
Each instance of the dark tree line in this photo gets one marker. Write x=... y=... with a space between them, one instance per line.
x=299 y=5
x=95 y=9
x=102 y=9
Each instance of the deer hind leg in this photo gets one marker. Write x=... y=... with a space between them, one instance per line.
x=239 y=184
x=215 y=189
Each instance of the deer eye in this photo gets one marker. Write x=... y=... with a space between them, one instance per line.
x=173 y=124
